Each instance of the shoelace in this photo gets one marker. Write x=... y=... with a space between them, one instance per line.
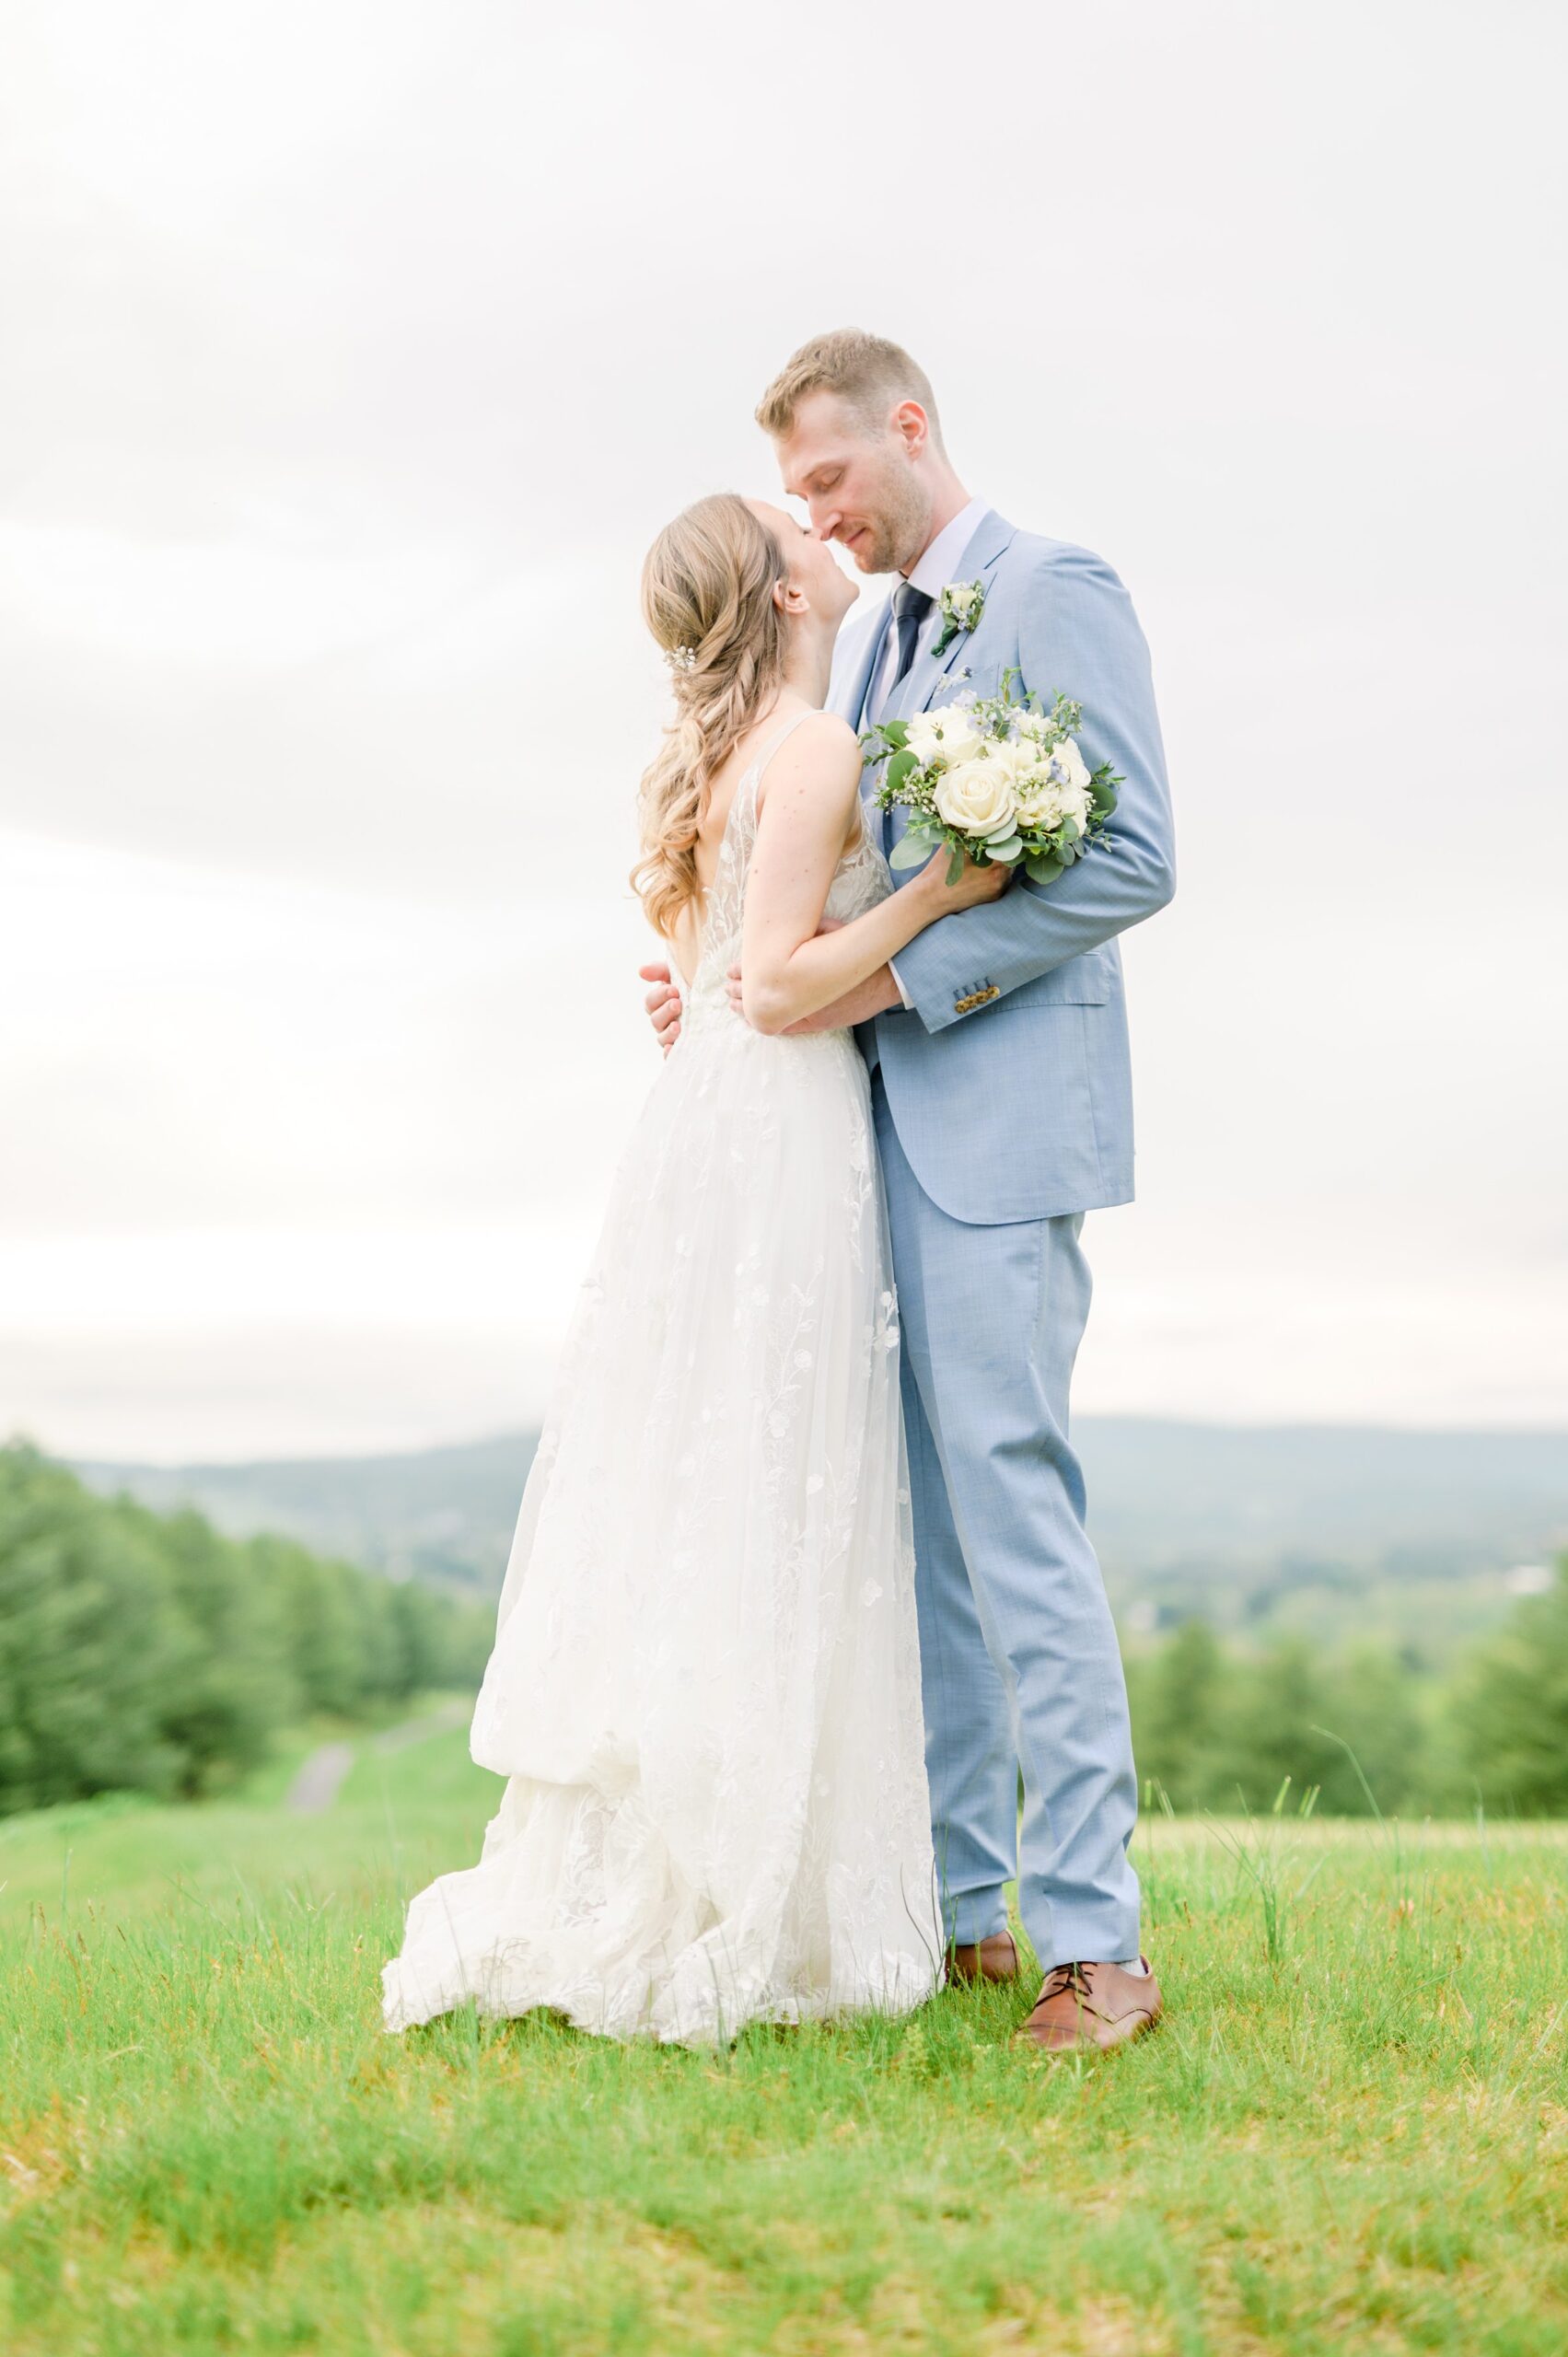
x=1065 y=1976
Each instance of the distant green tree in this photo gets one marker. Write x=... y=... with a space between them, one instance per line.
x=92 y=1644
x=323 y=1625
x=1511 y=1709
x=148 y=1652
x=1233 y=1728
x=239 y=1685
x=1177 y=1695
x=441 y=1641
x=1293 y=1714
x=466 y=1645
x=1369 y=1700
x=377 y=1643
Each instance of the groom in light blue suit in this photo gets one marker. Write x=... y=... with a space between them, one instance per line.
x=1001 y=1087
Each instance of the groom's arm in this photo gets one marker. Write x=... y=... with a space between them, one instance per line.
x=1076 y=632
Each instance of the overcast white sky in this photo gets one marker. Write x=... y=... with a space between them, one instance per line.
x=353 y=354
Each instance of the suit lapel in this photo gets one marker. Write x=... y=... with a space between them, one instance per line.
x=982 y=551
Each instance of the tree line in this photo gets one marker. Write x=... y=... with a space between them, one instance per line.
x=1218 y=1728
x=146 y=1652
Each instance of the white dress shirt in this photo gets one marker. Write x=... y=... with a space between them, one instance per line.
x=931 y=571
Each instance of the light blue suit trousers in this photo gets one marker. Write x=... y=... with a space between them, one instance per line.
x=1003 y=1104
x=1019 y=1663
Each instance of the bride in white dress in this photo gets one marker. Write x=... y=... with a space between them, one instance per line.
x=704 y=1691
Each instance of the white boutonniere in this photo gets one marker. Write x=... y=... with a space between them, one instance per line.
x=962 y=604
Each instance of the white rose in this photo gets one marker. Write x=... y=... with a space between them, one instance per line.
x=922 y=737
x=978 y=799
x=1040 y=801
x=960 y=597
x=1018 y=760
x=961 y=740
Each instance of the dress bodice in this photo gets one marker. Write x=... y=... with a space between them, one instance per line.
x=860 y=880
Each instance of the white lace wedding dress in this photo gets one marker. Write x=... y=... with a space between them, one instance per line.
x=704 y=1690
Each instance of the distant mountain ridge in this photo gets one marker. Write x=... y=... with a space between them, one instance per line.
x=1334 y=1529
x=444 y=1515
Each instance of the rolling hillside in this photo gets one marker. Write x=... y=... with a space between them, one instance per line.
x=1418 y=1538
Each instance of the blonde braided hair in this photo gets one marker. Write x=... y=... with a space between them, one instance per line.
x=708 y=584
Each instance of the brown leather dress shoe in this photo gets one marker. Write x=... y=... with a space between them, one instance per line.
x=1085 y=2007
x=993 y=1958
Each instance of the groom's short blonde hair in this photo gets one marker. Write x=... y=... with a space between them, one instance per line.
x=866 y=371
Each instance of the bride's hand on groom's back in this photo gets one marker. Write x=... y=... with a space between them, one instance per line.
x=663 y=1003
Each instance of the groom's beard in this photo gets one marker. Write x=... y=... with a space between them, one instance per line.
x=900 y=529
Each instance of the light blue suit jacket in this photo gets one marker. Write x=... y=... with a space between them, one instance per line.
x=1009 y=1083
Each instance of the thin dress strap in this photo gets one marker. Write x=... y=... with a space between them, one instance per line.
x=788 y=729
x=754 y=779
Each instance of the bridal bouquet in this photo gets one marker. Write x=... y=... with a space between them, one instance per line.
x=993 y=778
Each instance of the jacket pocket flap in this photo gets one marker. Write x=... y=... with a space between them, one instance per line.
x=1080 y=981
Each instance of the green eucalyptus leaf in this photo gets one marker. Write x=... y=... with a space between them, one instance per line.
x=898 y=769
x=895 y=733
x=1043 y=871
x=911 y=851
x=954 y=869
x=1004 y=852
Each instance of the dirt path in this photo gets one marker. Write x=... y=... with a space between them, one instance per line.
x=320 y=1778
x=453 y=1712
x=317 y=1784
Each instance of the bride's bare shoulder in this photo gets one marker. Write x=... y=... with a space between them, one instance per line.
x=819 y=743
x=830 y=731
x=813 y=780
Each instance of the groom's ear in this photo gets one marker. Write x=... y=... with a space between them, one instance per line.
x=912 y=426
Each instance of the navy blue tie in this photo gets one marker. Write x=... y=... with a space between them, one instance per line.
x=911 y=606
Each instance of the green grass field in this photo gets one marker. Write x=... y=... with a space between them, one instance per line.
x=1351 y=2133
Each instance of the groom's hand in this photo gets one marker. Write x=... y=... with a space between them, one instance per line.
x=663 y=1003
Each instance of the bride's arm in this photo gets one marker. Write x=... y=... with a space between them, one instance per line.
x=789 y=969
